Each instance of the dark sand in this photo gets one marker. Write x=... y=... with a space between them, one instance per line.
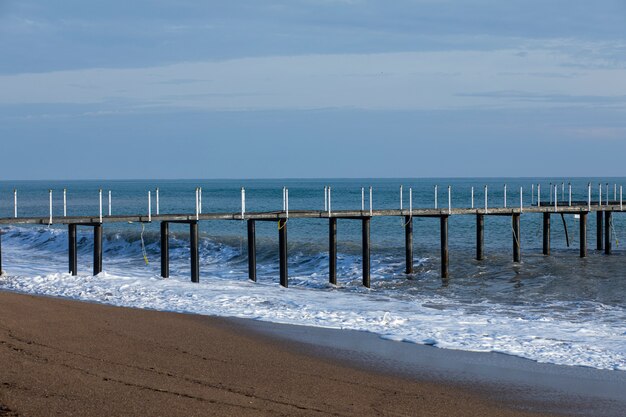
x=60 y=357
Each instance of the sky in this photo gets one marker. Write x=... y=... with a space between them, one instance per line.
x=312 y=88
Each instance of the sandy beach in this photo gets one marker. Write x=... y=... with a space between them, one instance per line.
x=61 y=357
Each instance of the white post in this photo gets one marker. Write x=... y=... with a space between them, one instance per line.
x=100 y=203
x=485 y=199
x=325 y=198
x=411 y=201
x=614 y=191
x=149 y=206
x=109 y=203
x=287 y=203
x=64 y=202
x=599 y=194
x=556 y=204
x=607 y=193
x=284 y=199
x=15 y=203
x=521 y=199
x=621 y=205
x=538 y=195
x=504 y=195
x=569 y=188
x=157 y=202
x=371 y=200
x=329 y=202
x=532 y=194
x=50 y=198
x=472 y=197
x=200 y=200
x=243 y=202
x=589 y=197
x=449 y=199
x=197 y=204
x=362 y=198
x=436 y=196
x=400 y=198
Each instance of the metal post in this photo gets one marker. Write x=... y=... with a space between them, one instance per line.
x=110 y=203
x=504 y=195
x=73 y=254
x=97 y=249
x=569 y=187
x=194 y=251
x=50 y=197
x=436 y=205
x=599 y=227
x=64 y=202
x=517 y=256
x=486 y=199
x=472 y=197
x=607 y=232
x=449 y=199
x=532 y=194
x=408 y=243
x=15 y=203
x=480 y=237
x=443 y=222
x=100 y=204
x=157 y=201
x=546 y=233
x=165 y=249
x=332 y=250
x=365 y=238
x=400 y=198
x=583 y=235
x=251 y=250
x=325 y=198
x=371 y=203
x=282 y=249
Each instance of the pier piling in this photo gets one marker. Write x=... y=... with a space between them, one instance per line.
x=165 y=249
x=251 y=250
x=282 y=249
x=583 y=235
x=546 y=233
x=480 y=237
x=332 y=250
x=517 y=255
x=599 y=237
x=408 y=243
x=365 y=234
x=97 y=249
x=194 y=252
x=73 y=258
x=443 y=221
x=607 y=232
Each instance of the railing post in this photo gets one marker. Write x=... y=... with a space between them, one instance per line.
x=251 y=250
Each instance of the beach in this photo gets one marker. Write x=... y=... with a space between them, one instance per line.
x=63 y=357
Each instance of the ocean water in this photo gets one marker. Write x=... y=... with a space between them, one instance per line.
x=559 y=309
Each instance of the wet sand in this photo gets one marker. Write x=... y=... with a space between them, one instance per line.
x=61 y=357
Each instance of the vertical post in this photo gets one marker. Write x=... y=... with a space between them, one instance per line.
x=583 y=235
x=110 y=203
x=532 y=194
x=97 y=249
x=517 y=256
x=73 y=254
x=194 y=252
x=64 y=202
x=607 y=232
x=332 y=250
x=15 y=203
x=362 y=198
x=408 y=243
x=100 y=203
x=472 y=197
x=443 y=222
x=504 y=195
x=546 y=233
x=149 y=206
x=371 y=203
x=480 y=237
x=436 y=192
x=599 y=227
x=485 y=199
x=251 y=250
x=365 y=238
x=569 y=187
x=282 y=249
x=325 y=198
x=401 y=198
x=50 y=197
x=165 y=249
x=0 y=252
x=157 y=201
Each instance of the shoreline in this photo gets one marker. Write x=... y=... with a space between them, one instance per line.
x=429 y=372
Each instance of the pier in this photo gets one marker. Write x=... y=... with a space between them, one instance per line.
x=603 y=209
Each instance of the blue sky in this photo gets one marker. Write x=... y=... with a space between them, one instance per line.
x=312 y=88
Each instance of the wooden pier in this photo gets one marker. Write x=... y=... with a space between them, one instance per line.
x=603 y=231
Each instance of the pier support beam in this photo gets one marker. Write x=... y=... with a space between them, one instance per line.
x=282 y=249
x=251 y=250
x=165 y=249
x=599 y=237
x=194 y=251
x=583 y=235
x=480 y=237
x=607 y=232
x=517 y=254
x=408 y=243
x=546 y=233
x=72 y=252
x=365 y=234
x=97 y=249
x=332 y=250
x=443 y=222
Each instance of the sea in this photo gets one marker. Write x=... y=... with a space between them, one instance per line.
x=559 y=309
